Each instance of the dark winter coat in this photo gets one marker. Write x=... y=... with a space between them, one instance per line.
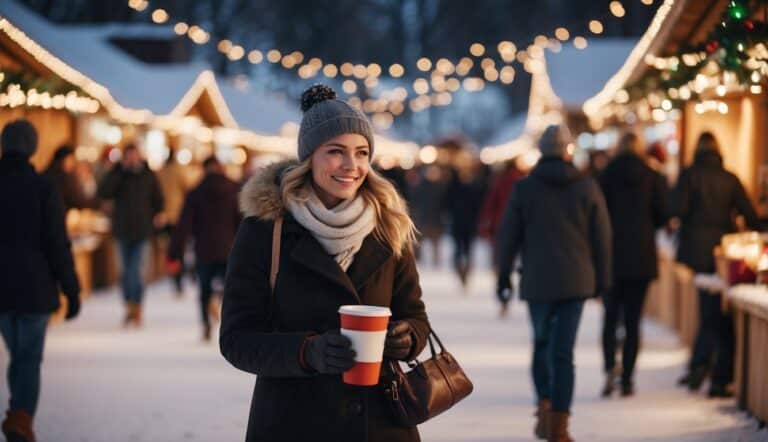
x=211 y=216
x=262 y=333
x=137 y=198
x=35 y=253
x=557 y=220
x=636 y=197
x=706 y=198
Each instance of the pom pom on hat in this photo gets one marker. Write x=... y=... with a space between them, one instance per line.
x=316 y=94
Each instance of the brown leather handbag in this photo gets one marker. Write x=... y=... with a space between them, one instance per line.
x=428 y=388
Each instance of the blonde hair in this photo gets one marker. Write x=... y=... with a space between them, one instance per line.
x=394 y=226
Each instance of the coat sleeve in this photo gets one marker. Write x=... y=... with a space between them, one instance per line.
x=511 y=233
x=744 y=207
x=407 y=304
x=600 y=239
x=157 y=195
x=58 y=246
x=183 y=228
x=246 y=339
x=681 y=196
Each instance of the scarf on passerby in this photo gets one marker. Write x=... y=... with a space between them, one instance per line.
x=339 y=230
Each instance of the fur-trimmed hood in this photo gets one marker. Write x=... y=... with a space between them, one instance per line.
x=260 y=196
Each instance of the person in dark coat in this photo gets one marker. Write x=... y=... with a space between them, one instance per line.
x=336 y=249
x=35 y=264
x=138 y=201
x=61 y=171
x=210 y=215
x=706 y=199
x=463 y=200
x=557 y=220
x=636 y=197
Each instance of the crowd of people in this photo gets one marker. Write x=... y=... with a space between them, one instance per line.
x=347 y=235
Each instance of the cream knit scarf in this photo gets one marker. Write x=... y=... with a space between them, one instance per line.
x=339 y=230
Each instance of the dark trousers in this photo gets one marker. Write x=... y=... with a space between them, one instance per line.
x=167 y=230
x=625 y=298
x=131 y=253
x=206 y=273
x=555 y=327
x=24 y=336
x=715 y=340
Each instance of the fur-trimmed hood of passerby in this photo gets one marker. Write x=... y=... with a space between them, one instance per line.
x=260 y=196
x=263 y=197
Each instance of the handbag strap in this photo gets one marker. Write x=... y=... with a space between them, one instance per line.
x=275 y=265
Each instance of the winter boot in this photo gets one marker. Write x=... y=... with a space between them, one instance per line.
x=138 y=317
x=17 y=426
x=541 y=430
x=130 y=312
x=610 y=383
x=697 y=377
x=558 y=427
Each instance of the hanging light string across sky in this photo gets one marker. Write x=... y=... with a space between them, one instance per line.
x=442 y=74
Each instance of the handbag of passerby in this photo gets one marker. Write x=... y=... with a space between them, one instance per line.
x=346 y=238
x=557 y=221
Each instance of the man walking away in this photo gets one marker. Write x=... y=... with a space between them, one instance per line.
x=557 y=220
x=35 y=264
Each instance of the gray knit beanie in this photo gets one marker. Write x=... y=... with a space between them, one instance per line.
x=326 y=117
x=554 y=141
x=18 y=137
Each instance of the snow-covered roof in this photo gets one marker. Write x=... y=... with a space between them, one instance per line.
x=576 y=75
x=168 y=89
x=132 y=83
x=258 y=111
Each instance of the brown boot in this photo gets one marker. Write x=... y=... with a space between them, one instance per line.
x=130 y=312
x=138 y=317
x=558 y=427
x=17 y=426
x=541 y=430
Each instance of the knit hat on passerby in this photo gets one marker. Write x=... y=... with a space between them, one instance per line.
x=326 y=117
x=18 y=137
x=554 y=141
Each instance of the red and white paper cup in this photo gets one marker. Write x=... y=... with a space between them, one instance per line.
x=366 y=327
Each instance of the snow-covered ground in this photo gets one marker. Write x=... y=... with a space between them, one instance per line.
x=161 y=383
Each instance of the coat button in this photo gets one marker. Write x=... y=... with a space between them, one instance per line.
x=355 y=408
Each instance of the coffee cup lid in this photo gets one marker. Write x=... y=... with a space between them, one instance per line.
x=365 y=310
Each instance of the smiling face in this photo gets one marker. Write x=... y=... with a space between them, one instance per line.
x=339 y=168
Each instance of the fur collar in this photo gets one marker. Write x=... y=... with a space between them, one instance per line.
x=260 y=196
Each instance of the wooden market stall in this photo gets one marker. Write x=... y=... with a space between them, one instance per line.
x=702 y=65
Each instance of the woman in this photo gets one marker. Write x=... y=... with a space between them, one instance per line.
x=636 y=198
x=346 y=239
x=706 y=199
x=557 y=220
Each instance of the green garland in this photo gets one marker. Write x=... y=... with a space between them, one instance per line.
x=727 y=45
x=28 y=80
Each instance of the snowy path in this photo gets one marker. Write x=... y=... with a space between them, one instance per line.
x=161 y=384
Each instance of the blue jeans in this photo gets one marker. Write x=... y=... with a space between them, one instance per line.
x=555 y=326
x=131 y=253
x=24 y=336
x=205 y=275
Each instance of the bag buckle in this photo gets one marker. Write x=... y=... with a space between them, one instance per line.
x=395 y=392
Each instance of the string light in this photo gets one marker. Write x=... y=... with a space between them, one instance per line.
x=562 y=34
x=255 y=56
x=596 y=27
x=159 y=16
x=580 y=43
x=617 y=9
x=477 y=49
x=396 y=70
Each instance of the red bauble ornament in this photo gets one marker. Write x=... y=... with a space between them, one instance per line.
x=749 y=25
